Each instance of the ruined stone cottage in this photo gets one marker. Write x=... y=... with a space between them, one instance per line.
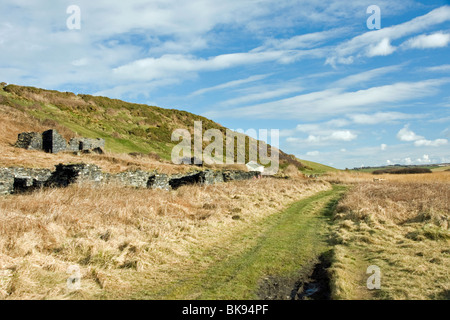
x=52 y=142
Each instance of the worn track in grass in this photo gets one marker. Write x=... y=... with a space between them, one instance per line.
x=287 y=260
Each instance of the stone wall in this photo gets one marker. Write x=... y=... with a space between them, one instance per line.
x=29 y=141
x=52 y=142
x=240 y=175
x=6 y=181
x=65 y=175
x=16 y=180
x=86 y=144
x=21 y=179
x=137 y=179
x=159 y=181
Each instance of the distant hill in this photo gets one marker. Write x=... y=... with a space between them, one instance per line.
x=432 y=167
x=126 y=127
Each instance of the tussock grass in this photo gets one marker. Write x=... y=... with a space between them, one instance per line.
x=401 y=226
x=125 y=238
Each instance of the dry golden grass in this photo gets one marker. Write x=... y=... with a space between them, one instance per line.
x=356 y=177
x=14 y=121
x=400 y=225
x=115 y=234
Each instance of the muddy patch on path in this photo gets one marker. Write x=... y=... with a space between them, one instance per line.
x=311 y=283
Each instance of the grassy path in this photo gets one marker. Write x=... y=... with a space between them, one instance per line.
x=285 y=251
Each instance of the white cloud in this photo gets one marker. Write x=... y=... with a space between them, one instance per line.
x=380 y=117
x=176 y=65
x=343 y=135
x=425 y=159
x=446 y=131
x=383 y=48
x=383 y=146
x=430 y=143
x=408 y=161
x=366 y=76
x=303 y=41
x=334 y=101
x=261 y=95
x=436 y=40
x=231 y=84
x=121 y=36
x=313 y=153
x=340 y=135
x=345 y=52
x=441 y=68
x=324 y=137
x=407 y=135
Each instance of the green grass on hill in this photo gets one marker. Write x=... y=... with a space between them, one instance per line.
x=316 y=168
x=126 y=127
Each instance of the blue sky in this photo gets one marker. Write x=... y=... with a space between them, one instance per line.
x=339 y=93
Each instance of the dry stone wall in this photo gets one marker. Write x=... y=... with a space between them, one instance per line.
x=30 y=141
x=16 y=179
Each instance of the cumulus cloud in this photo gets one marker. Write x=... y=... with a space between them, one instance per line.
x=383 y=48
x=436 y=40
x=425 y=159
x=430 y=143
x=324 y=137
x=407 y=135
x=340 y=135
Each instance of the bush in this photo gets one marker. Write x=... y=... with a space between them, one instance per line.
x=402 y=171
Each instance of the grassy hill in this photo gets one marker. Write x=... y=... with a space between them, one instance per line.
x=126 y=127
x=316 y=168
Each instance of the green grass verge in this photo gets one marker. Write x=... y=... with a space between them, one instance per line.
x=290 y=241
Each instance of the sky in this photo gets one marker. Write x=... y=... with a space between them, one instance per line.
x=340 y=90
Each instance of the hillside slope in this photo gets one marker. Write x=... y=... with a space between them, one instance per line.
x=126 y=127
